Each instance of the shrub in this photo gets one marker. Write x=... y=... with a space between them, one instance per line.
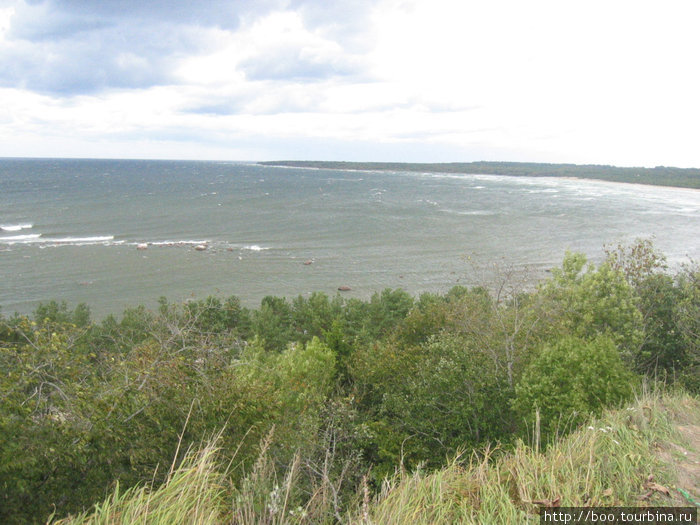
x=571 y=379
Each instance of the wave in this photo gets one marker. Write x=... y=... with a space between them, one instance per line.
x=15 y=227
x=177 y=243
x=191 y=243
x=108 y=240
x=468 y=212
x=36 y=238
x=80 y=240
x=12 y=239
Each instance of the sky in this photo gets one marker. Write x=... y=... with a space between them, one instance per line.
x=588 y=82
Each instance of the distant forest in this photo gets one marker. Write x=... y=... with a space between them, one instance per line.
x=660 y=175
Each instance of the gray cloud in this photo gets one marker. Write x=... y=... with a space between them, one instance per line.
x=107 y=57
x=220 y=13
x=57 y=48
x=68 y=47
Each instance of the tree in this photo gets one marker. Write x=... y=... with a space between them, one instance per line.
x=667 y=305
x=569 y=380
x=584 y=301
x=272 y=323
x=427 y=402
x=688 y=322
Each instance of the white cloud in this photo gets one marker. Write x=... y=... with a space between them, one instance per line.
x=5 y=21
x=543 y=80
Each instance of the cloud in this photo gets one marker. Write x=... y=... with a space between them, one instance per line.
x=294 y=64
x=50 y=49
x=596 y=83
x=220 y=13
x=69 y=47
x=287 y=49
x=69 y=67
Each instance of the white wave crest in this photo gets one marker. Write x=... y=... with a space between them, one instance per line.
x=15 y=227
x=177 y=243
x=21 y=239
x=80 y=240
x=468 y=212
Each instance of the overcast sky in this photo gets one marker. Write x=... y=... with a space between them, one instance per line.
x=603 y=82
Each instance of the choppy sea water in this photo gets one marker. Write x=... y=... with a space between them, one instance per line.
x=71 y=229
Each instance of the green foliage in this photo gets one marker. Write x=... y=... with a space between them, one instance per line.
x=314 y=316
x=53 y=312
x=286 y=390
x=663 y=350
x=386 y=310
x=603 y=464
x=337 y=342
x=569 y=380
x=669 y=306
x=636 y=261
x=272 y=323
x=211 y=315
x=192 y=494
x=606 y=463
x=428 y=317
x=449 y=397
x=687 y=315
x=586 y=302
x=346 y=388
x=505 y=328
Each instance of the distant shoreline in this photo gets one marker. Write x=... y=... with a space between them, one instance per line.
x=658 y=176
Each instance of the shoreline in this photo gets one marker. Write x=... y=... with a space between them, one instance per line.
x=683 y=178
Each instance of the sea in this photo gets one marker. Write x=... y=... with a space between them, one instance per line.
x=119 y=233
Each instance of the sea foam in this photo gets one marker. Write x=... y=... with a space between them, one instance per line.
x=15 y=227
x=177 y=243
x=12 y=239
x=81 y=240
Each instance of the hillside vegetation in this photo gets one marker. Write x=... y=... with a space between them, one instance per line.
x=325 y=409
x=645 y=454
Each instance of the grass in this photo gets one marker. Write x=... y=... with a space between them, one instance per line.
x=193 y=494
x=614 y=460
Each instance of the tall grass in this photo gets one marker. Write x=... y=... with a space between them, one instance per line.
x=606 y=462
x=193 y=494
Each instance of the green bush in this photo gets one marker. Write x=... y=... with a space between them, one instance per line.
x=570 y=380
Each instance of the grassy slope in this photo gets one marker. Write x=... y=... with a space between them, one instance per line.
x=624 y=458
x=646 y=454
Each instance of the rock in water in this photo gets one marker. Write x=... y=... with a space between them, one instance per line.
x=344 y=288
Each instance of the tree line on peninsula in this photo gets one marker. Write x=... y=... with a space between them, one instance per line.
x=658 y=176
